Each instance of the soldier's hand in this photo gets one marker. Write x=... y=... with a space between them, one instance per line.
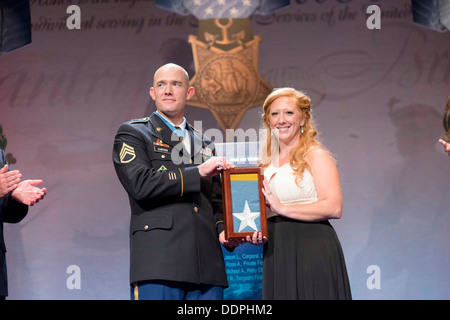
x=232 y=243
x=213 y=166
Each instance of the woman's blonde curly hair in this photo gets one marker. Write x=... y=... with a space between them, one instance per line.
x=269 y=147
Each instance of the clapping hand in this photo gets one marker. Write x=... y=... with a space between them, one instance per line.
x=27 y=192
x=9 y=180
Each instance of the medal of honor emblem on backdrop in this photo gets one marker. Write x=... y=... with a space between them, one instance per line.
x=226 y=79
x=225 y=54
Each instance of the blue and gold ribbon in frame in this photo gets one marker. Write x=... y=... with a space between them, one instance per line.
x=245 y=202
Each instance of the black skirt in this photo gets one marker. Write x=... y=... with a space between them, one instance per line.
x=303 y=260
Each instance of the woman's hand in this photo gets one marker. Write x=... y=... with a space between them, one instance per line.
x=257 y=239
x=271 y=200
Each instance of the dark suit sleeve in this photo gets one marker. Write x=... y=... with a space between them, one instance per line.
x=138 y=176
x=218 y=204
x=11 y=210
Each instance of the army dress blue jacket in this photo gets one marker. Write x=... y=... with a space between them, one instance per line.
x=176 y=215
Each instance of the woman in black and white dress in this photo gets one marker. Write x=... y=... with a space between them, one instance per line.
x=303 y=258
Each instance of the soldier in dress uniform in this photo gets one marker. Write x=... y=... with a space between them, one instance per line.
x=172 y=179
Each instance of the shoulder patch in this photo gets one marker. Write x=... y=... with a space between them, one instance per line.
x=141 y=120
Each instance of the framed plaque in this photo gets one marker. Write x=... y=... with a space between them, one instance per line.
x=244 y=205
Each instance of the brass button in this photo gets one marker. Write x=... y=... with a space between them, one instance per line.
x=163 y=156
x=195 y=209
x=146 y=227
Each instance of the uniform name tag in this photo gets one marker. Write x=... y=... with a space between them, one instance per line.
x=160 y=146
x=161 y=149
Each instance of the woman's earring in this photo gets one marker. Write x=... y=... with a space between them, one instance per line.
x=302 y=129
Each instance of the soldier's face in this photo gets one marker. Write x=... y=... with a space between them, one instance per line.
x=171 y=91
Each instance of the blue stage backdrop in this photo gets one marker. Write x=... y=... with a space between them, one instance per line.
x=378 y=87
